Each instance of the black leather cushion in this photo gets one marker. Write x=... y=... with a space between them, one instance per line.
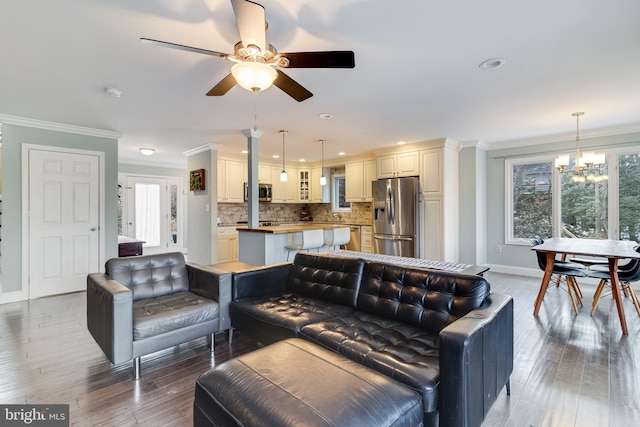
x=155 y=316
x=295 y=383
x=273 y=318
x=334 y=279
x=151 y=275
x=403 y=352
x=430 y=299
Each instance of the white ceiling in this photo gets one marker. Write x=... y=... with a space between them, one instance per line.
x=416 y=76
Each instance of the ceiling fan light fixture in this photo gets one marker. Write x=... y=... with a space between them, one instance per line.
x=254 y=76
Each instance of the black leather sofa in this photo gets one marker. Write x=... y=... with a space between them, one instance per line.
x=443 y=334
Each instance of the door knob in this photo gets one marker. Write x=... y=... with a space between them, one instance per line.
x=92 y=229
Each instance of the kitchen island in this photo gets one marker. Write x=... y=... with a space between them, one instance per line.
x=267 y=245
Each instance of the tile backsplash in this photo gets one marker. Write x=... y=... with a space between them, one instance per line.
x=231 y=213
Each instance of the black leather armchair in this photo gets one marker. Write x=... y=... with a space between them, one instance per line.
x=148 y=303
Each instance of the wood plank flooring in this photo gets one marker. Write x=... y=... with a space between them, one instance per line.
x=568 y=371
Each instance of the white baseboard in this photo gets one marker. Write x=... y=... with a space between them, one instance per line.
x=532 y=272
x=15 y=296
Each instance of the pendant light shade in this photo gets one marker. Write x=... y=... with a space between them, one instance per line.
x=283 y=174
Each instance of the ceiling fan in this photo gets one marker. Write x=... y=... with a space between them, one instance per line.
x=257 y=63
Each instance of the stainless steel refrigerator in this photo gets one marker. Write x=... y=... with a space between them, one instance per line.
x=396 y=217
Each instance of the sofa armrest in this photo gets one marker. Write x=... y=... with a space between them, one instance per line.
x=109 y=316
x=260 y=281
x=476 y=360
x=212 y=283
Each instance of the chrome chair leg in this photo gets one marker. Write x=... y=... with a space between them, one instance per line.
x=136 y=368
x=212 y=342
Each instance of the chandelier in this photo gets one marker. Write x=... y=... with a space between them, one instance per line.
x=587 y=167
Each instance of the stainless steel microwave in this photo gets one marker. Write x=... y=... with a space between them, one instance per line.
x=264 y=192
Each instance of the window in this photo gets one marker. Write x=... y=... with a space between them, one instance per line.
x=584 y=207
x=338 y=197
x=150 y=209
x=529 y=199
x=541 y=201
x=629 y=196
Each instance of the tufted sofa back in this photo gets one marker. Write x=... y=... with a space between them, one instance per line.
x=429 y=299
x=150 y=275
x=334 y=279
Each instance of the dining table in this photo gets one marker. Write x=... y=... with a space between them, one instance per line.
x=612 y=250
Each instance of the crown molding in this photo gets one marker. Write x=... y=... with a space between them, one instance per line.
x=567 y=136
x=202 y=149
x=474 y=144
x=60 y=127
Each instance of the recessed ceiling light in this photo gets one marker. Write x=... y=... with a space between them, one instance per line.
x=302 y=160
x=325 y=116
x=342 y=153
x=401 y=142
x=492 y=63
x=245 y=151
x=275 y=156
x=147 y=151
x=112 y=91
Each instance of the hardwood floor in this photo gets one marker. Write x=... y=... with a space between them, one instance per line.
x=568 y=371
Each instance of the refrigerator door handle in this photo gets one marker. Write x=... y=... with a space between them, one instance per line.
x=390 y=207
x=407 y=239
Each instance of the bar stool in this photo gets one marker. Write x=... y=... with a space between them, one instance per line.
x=311 y=239
x=339 y=236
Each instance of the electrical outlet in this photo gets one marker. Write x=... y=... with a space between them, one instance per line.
x=499 y=248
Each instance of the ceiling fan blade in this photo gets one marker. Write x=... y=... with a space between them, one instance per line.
x=251 y=21
x=291 y=87
x=185 y=48
x=328 y=59
x=223 y=86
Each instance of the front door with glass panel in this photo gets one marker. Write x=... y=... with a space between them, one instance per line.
x=152 y=213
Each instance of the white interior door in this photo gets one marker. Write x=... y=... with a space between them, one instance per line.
x=148 y=213
x=64 y=206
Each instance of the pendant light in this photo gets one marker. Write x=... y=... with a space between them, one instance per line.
x=323 y=179
x=587 y=166
x=283 y=174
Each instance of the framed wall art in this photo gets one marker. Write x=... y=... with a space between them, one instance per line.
x=196 y=180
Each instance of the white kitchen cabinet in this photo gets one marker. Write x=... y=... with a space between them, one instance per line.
x=304 y=185
x=431 y=172
x=227 y=244
x=284 y=192
x=358 y=177
x=439 y=209
x=397 y=165
x=366 y=238
x=319 y=193
x=264 y=174
x=431 y=233
x=230 y=176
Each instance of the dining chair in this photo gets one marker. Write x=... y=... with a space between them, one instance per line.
x=311 y=239
x=627 y=274
x=565 y=272
x=339 y=237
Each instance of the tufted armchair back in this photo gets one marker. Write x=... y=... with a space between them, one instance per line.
x=429 y=299
x=150 y=275
x=334 y=279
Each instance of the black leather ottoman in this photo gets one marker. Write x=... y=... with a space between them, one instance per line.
x=297 y=383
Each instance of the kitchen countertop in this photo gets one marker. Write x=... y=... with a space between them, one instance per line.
x=283 y=229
